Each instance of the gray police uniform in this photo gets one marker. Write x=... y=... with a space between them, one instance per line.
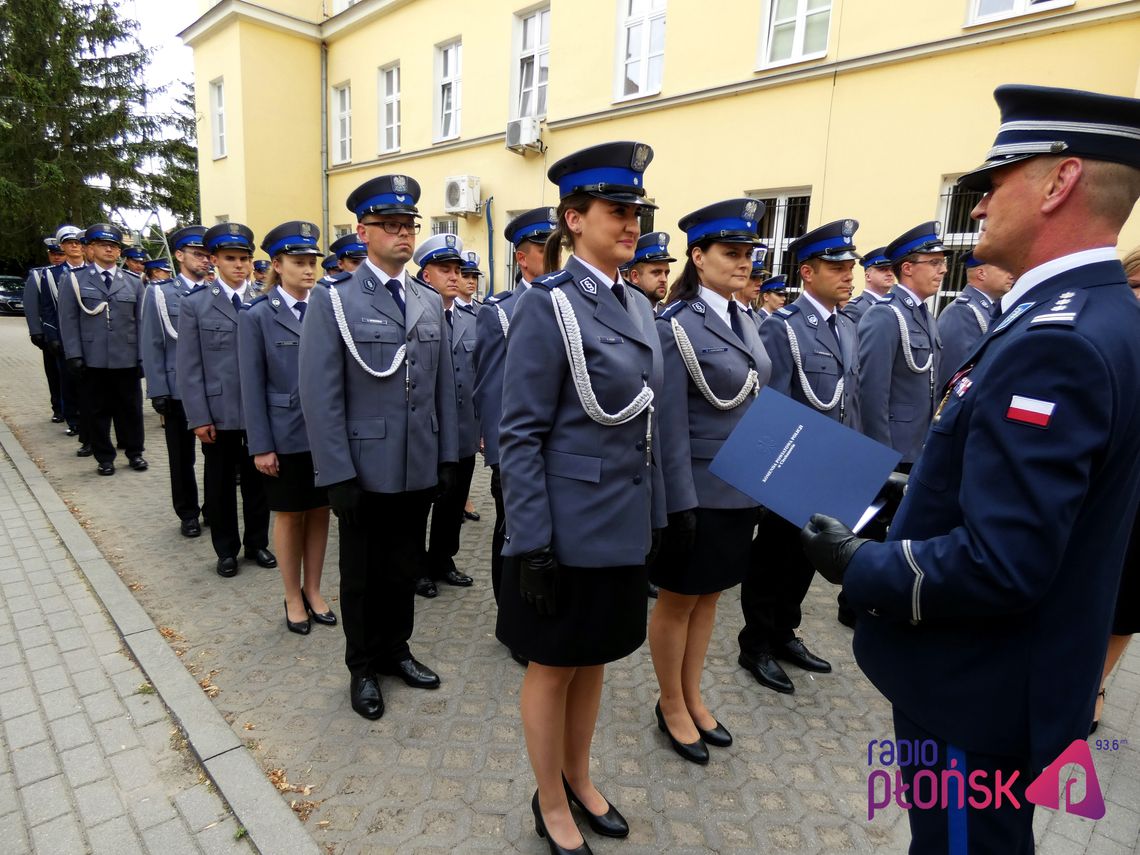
x=161 y=309
x=36 y=282
x=898 y=372
x=858 y=306
x=962 y=325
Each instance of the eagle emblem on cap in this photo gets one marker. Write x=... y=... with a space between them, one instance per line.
x=937 y=229
x=848 y=228
x=399 y=184
x=470 y=257
x=450 y=241
x=233 y=229
x=662 y=239
x=640 y=156
x=750 y=209
x=759 y=254
x=552 y=217
x=306 y=230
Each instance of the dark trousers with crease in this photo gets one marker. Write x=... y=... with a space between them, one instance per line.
x=51 y=372
x=113 y=395
x=778 y=578
x=379 y=563
x=180 y=444
x=224 y=458
x=499 y=534
x=447 y=521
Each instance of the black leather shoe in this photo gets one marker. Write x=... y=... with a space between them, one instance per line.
x=426 y=588
x=301 y=627
x=71 y=432
x=471 y=515
x=846 y=616
x=327 y=618
x=56 y=418
x=413 y=672
x=609 y=824
x=227 y=567
x=139 y=464
x=106 y=469
x=460 y=580
x=653 y=591
x=796 y=652
x=540 y=830
x=366 y=698
x=718 y=736
x=190 y=528
x=263 y=557
x=694 y=752
x=767 y=671
x=84 y=450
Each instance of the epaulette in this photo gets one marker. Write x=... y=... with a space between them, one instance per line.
x=255 y=301
x=1062 y=312
x=498 y=298
x=329 y=281
x=670 y=310
x=963 y=298
x=787 y=311
x=550 y=281
x=886 y=299
x=202 y=287
x=427 y=285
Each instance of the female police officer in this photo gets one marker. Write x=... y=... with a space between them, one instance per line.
x=269 y=338
x=582 y=492
x=714 y=367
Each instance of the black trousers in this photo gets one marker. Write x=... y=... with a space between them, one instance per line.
x=447 y=520
x=51 y=372
x=224 y=458
x=113 y=395
x=775 y=585
x=499 y=533
x=180 y=444
x=379 y=563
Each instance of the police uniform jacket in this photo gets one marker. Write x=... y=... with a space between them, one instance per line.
x=159 y=348
x=961 y=325
x=491 y=325
x=896 y=403
x=692 y=429
x=269 y=343
x=207 y=359
x=857 y=306
x=32 y=286
x=389 y=433
x=557 y=462
x=109 y=339
x=824 y=361
x=461 y=337
x=994 y=594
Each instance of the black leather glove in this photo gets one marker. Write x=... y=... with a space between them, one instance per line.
x=142 y=374
x=55 y=348
x=829 y=546
x=894 y=490
x=538 y=580
x=160 y=403
x=654 y=546
x=683 y=529
x=38 y=340
x=447 y=476
x=76 y=366
x=345 y=499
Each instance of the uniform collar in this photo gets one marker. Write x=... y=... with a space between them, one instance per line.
x=1049 y=269
x=231 y=291
x=382 y=276
x=289 y=299
x=910 y=293
x=818 y=306
x=717 y=303
x=608 y=281
x=463 y=304
x=101 y=270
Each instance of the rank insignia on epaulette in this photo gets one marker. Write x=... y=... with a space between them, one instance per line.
x=783 y=313
x=698 y=307
x=589 y=286
x=1014 y=315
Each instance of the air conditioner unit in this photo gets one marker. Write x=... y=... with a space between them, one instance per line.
x=524 y=134
x=461 y=194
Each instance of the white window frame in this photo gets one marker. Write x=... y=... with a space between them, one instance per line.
x=342 y=230
x=218 y=117
x=534 y=54
x=798 y=54
x=1018 y=8
x=627 y=22
x=388 y=98
x=444 y=226
x=339 y=6
x=779 y=241
x=342 y=123
x=454 y=80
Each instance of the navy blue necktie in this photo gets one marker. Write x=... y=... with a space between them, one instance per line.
x=832 y=325
x=734 y=318
x=393 y=286
x=995 y=310
x=619 y=292
x=107 y=279
x=447 y=313
x=236 y=300
x=300 y=307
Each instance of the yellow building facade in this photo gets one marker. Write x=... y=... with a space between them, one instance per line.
x=826 y=109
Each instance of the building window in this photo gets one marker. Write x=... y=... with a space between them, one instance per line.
x=221 y=218
x=444 y=226
x=983 y=11
x=218 y=114
x=959 y=235
x=341 y=231
x=785 y=219
x=533 y=63
x=339 y=6
x=797 y=30
x=390 y=108
x=448 y=90
x=642 y=49
x=342 y=111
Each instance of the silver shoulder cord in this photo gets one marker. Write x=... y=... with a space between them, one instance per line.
x=504 y=321
x=98 y=310
x=908 y=355
x=51 y=285
x=692 y=364
x=981 y=318
x=160 y=304
x=346 y=337
x=809 y=393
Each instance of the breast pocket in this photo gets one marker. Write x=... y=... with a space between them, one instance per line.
x=218 y=334
x=819 y=363
x=427 y=335
x=376 y=343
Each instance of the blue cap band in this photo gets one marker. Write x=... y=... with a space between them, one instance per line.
x=727 y=225
x=910 y=246
x=101 y=235
x=291 y=240
x=188 y=240
x=385 y=200
x=616 y=175
x=351 y=247
x=234 y=241
x=444 y=253
x=811 y=249
x=531 y=229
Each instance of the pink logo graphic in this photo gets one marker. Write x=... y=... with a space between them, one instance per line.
x=1045 y=791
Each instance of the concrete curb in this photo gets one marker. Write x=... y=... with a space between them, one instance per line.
x=271 y=826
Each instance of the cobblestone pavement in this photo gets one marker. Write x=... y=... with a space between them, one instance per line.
x=446 y=771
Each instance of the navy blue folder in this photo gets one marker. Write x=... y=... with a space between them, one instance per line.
x=796 y=462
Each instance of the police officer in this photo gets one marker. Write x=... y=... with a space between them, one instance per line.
x=68 y=238
x=34 y=284
x=877 y=281
x=773 y=296
x=157 y=270
x=747 y=296
x=134 y=260
x=527 y=233
x=210 y=384
x=900 y=348
x=99 y=310
x=963 y=323
x=815 y=361
x=330 y=264
x=350 y=251
x=260 y=270
x=162 y=307
x=715 y=366
x=648 y=273
x=469 y=274
x=378 y=395
x=987 y=612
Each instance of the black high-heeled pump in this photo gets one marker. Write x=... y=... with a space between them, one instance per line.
x=327 y=618
x=540 y=830
x=301 y=627
x=694 y=752
x=609 y=824
x=718 y=736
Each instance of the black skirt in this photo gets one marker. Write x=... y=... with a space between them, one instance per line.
x=292 y=491
x=1127 y=618
x=718 y=559
x=601 y=616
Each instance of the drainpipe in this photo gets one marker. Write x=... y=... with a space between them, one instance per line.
x=324 y=126
x=490 y=246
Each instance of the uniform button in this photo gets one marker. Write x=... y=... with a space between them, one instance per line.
x=640 y=446
x=413 y=384
x=751 y=364
x=636 y=479
x=644 y=375
x=411 y=362
x=409 y=336
x=355 y=432
x=413 y=408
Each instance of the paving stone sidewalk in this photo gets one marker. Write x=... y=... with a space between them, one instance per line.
x=446 y=771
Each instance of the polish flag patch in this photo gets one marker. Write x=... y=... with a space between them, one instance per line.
x=1030 y=411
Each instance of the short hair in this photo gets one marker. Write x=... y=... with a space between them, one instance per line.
x=1132 y=263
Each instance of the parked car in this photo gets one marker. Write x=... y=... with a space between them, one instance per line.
x=11 y=295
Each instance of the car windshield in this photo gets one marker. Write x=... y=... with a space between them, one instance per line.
x=11 y=284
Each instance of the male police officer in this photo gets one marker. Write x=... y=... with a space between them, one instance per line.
x=900 y=348
x=350 y=252
x=527 y=233
x=815 y=360
x=963 y=323
x=877 y=281
x=68 y=238
x=210 y=385
x=157 y=270
x=330 y=264
x=988 y=609
x=260 y=272
x=162 y=306
x=378 y=395
x=33 y=286
x=747 y=296
x=648 y=272
x=134 y=260
x=99 y=309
